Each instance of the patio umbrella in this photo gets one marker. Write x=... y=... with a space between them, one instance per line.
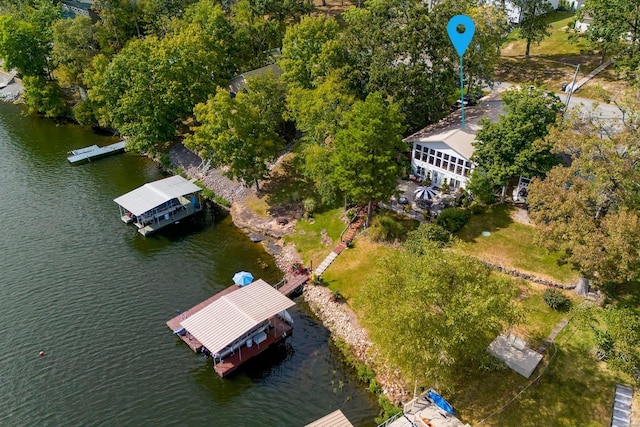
x=242 y=278
x=425 y=193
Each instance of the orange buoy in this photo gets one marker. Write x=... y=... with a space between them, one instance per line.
x=41 y=353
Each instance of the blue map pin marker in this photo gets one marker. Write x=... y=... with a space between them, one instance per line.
x=461 y=40
x=461 y=43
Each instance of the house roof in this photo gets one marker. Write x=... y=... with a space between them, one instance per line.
x=334 y=419
x=239 y=83
x=450 y=132
x=153 y=194
x=230 y=317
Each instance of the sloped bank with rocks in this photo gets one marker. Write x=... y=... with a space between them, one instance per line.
x=336 y=316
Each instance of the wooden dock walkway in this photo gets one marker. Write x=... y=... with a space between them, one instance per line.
x=293 y=283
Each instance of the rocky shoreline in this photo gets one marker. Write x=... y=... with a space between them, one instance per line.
x=336 y=316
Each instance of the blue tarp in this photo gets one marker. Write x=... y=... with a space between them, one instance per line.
x=440 y=402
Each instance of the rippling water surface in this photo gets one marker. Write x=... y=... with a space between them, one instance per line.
x=85 y=288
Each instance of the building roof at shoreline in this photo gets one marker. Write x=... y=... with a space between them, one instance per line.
x=227 y=319
x=334 y=419
x=153 y=194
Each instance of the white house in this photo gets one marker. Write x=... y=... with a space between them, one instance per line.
x=443 y=150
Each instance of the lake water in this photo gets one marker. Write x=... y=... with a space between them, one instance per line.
x=94 y=295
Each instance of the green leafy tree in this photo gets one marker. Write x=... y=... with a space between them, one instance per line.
x=507 y=148
x=433 y=313
x=151 y=86
x=400 y=49
x=318 y=113
x=588 y=210
x=241 y=133
x=26 y=38
x=616 y=335
x=614 y=26
x=74 y=46
x=117 y=24
x=534 y=26
x=366 y=151
x=481 y=58
x=259 y=27
x=481 y=186
x=302 y=48
x=44 y=97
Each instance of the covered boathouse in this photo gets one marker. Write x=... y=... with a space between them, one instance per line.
x=159 y=203
x=236 y=324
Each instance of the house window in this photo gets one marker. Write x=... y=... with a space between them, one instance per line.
x=459 y=170
x=444 y=164
x=446 y=157
x=467 y=164
x=460 y=162
x=432 y=151
x=418 y=147
x=421 y=172
x=455 y=183
x=452 y=167
x=466 y=171
x=430 y=160
x=438 y=162
x=439 y=154
x=416 y=154
x=424 y=157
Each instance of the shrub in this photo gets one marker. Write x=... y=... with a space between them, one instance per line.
x=556 y=299
x=309 y=205
x=386 y=228
x=420 y=238
x=481 y=187
x=387 y=409
x=476 y=209
x=452 y=219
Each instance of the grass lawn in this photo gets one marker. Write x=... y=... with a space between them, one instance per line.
x=576 y=389
x=510 y=244
x=284 y=188
x=309 y=239
x=350 y=269
x=554 y=61
x=556 y=46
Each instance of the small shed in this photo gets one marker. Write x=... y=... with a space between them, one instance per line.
x=514 y=352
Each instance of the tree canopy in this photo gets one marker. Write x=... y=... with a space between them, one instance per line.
x=507 y=147
x=588 y=209
x=302 y=48
x=241 y=132
x=365 y=157
x=26 y=38
x=434 y=312
x=615 y=26
x=152 y=85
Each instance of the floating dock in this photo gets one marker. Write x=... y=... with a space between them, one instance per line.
x=235 y=324
x=160 y=203
x=94 y=152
